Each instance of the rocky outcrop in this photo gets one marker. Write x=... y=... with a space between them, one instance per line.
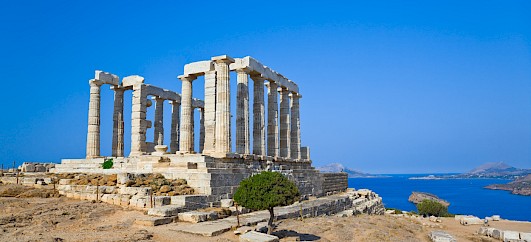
x=418 y=197
x=520 y=186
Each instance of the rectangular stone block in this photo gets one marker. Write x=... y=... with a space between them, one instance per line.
x=165 y=211
x=154 y=221
x=511 y=236
x=254 y=236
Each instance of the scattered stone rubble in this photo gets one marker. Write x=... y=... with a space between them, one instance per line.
x=441 y=236
x=505 y=235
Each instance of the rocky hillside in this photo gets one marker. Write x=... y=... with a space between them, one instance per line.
x=337 y=167
x=520 y=186
x=418 y=197
x=495 y=170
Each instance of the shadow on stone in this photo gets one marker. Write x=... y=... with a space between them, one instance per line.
x=290 y=233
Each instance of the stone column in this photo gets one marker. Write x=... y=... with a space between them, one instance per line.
x=186 y=142
x=174 y=139
x=158 y=137
x=139 y=124
x=201 y=130
x=118 y=122
x=284 y=123
x=258 y=116
x=223 y=134
x=295 y=127
x=93 y=134
x=210 y=112
x=272 y=119
x=242 y=113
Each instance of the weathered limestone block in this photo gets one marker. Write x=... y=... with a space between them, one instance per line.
x=226 y=203
x=525 y=236
x=107 y=78
x=441 y=236
x=165 y=211
x=162 y=200
x=511 y=236
x=497 y=234
x=254 y=236
x=471 y=220
x=197 y=217
x=153 y=221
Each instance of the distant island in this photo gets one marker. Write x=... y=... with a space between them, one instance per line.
x=337 y=167
x=498 y=170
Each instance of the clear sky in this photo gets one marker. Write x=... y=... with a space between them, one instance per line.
x=388 y=87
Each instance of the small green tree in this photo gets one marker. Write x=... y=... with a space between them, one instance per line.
x=266 y=191
x=429 y=207
x=107 y=164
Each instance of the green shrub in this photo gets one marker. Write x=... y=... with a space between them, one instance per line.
x=107 y=164
x=266 y=191
x=429 y=207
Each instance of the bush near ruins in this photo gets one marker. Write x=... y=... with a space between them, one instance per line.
x=107 y=164
x=266 y=191
x=429 y=207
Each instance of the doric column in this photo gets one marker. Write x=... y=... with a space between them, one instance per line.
x=223 y=134
x=139 y=124
x=201 y=130
x=272 y=119
x=284 y=122
x=242 y=113
x=210 y=111
x=118 y=122
x=295 y=127
x=186 y=142
x=174 y=139
x=93 y=134
x=258 y=116
x=158 y=137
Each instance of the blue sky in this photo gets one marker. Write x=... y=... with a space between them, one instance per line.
x=388 y=87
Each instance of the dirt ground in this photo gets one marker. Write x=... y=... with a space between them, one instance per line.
x=63 y=219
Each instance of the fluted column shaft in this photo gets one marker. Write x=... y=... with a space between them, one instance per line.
x=118 y=123
x=295 y=127
x=174 y=135
x=158 y=137
x=223 y=134
x=139 y=123
x=284 y=123
x=210 y=111
x=201 y=130
x=242 y=114
x=258 y=116
x=93 y=134
x=272 y=119
x=187 y=130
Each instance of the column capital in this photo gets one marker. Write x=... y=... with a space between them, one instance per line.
x=294 y=94
x=243 y=70
x=188 y=78
x=282 y=89
x=173 y=102
x=257 y=77
x=157 y=98
x=94 y=82
x=223 y=59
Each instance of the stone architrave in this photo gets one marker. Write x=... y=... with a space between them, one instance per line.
x=284 y=123
x=242 y=113
x=174 y=135
x=186 y=142
x=210 y=111
x=258 y=116
x=158 y=137
x=201 y=130
x=272 y=119
x=223 y=134
x=93 y=134
x=295 y=127
x=139 y=124
x=118 y=122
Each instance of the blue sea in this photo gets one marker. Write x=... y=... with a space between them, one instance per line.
x=466 y=196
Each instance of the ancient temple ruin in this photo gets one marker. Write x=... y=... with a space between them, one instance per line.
x=216 y=169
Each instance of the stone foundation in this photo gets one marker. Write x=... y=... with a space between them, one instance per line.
x=216 y=178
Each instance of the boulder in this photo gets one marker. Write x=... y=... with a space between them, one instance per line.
x=254 y=236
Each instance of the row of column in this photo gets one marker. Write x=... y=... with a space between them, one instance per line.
x=139 y=122
x=283 y=136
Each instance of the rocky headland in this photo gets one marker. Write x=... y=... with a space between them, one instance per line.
x=338 y=167
x=520 y=186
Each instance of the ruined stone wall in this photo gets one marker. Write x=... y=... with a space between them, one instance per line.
x=334 y=182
